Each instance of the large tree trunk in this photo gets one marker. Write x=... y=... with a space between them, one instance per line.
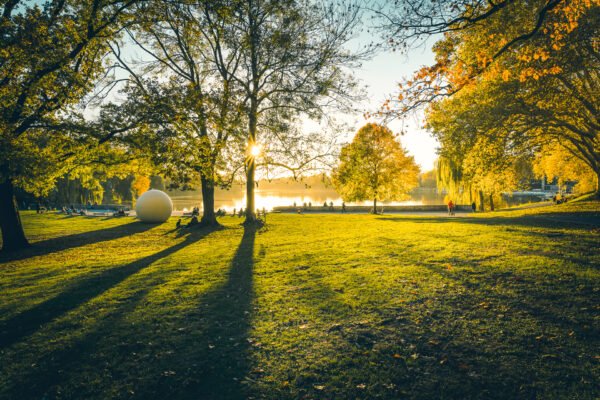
x=597 y=194
x=13 y=237
x=374 y=205
x=208 y=203
x=250 y=212
x=480 y=200
x=251 y=164
x=491 y=202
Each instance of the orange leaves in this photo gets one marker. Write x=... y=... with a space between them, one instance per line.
x=505 y=75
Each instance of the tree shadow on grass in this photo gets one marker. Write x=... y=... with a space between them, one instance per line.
x=152 y=351
x=62 y=243
x=493 y=336
x=581 y=219
x=80 y=292
x=223 y=355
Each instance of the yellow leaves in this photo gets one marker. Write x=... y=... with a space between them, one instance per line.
x=505 y=75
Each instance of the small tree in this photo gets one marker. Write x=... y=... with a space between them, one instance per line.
x=375 y=166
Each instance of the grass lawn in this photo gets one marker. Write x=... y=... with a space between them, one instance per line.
x=498 y=305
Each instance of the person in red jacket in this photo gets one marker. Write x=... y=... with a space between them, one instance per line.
x=450 y=208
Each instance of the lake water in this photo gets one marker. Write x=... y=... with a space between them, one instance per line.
x=236 y=198
x=269 y=198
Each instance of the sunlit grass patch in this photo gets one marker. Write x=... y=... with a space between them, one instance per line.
x=496 y=305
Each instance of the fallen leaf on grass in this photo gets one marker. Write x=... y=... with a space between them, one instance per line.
x=361 y=386
x=319 y=387
x=397 y=355
x=463 y=367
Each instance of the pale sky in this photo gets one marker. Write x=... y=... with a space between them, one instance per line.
x=381 y=75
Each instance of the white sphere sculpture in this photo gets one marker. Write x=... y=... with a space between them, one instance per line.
x=153 y=206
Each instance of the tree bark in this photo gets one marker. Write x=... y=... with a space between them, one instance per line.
x=596 y=195
x=13 y=237
x=491 y=202
x=374 y=205
x=251 y=164
x=208 y=203
x=480 y=200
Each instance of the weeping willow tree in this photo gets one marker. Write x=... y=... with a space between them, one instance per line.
x=450 y=177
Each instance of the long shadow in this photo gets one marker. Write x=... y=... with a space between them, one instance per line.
x=226 y=313
x=208 y=358
x=546 y=220
x=61 y=243
x=27 y=322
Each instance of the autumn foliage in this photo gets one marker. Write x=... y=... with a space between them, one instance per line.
x=375 y=166
x=509 y=79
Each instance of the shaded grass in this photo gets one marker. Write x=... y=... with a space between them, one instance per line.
x=498 y=305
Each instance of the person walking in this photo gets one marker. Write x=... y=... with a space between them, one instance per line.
x=450 y=208
x=473 y=207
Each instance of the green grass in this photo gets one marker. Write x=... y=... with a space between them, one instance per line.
x=497 y=305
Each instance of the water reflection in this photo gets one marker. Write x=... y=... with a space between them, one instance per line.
x=236 y=198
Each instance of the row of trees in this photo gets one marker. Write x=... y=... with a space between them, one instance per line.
x=219 y=82
x=515 y=83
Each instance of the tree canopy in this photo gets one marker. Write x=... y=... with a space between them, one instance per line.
x=509 y=79
x=375 y=166
x=51 y=57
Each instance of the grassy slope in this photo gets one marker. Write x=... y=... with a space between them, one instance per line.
x=500 y=305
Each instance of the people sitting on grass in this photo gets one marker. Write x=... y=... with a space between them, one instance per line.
x=178 y=224
x=193 y=221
